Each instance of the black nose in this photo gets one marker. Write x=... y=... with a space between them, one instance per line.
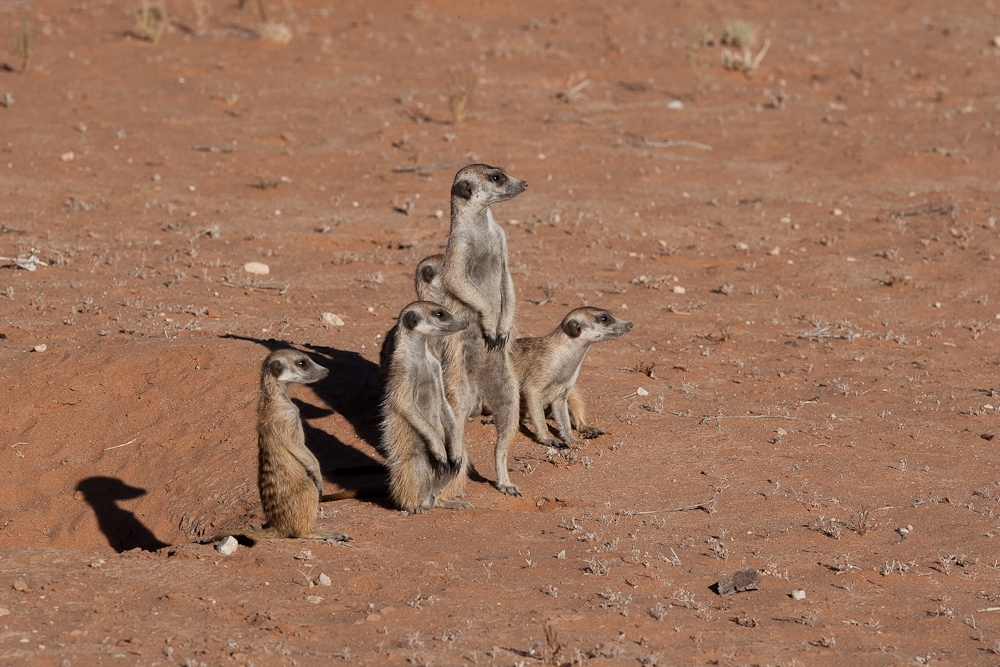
x=628 y=326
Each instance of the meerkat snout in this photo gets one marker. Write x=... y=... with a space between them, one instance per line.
x=431 y=319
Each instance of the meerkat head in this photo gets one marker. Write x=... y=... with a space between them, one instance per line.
x=293 y=366
x=482 y=185
x=430 y=319
x=427 y=280
x=594 y=325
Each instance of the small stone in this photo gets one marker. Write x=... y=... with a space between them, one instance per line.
x=323 y=580
x=227 y=545
x=799 y=594
x=739 y=581
x=837 y=212
x=97 y=563
x=996 y=41
x=331 y=320
x=315 y=599
x=677 y=289
x=68 y=156
x=40 y=348
x=675 y=105
x=4 y=611
x=904 y=531
x=561 y=555
x=20 y=586
x=774 y=252
x=641 y=392
x=257 y=268
x=742 y=246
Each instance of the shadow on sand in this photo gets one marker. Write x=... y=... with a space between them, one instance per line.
x=123 y=530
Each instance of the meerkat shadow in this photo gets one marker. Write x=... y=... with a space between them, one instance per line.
x=120 y=526
x=353 y=388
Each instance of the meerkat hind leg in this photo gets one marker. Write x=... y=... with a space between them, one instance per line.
x=331 y=535
x=577 y=413
x=560 y=412
x=452 y=504
x=506 y=409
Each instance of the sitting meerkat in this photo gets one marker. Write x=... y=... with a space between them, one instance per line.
x=547 y=368
x=421 y=438
x=427 y=283
x=288 y=477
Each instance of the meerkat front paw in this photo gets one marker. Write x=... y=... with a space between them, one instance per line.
x=496 y=342
x=590 y=432
x=509 y=489
x=334 y=536
x=553 y=442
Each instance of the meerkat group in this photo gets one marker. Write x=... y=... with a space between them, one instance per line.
x=450 y=355
x=482 y=367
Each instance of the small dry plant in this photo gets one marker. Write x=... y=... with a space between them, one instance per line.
x=22 y=41
x=150 y=20
x=739 y=38
x=460 y=94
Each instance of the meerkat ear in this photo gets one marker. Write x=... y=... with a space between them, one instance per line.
x=276 y=367
x=427 y=274
x=411 y=319
x=572 y=329
x=462 y=189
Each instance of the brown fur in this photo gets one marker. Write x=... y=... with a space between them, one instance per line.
x=547 y=368
x=420 y=434
x=477 y=286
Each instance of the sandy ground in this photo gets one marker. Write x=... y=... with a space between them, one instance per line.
x=810 y=389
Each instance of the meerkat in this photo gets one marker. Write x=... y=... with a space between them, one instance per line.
x=547 y=368
x=477 y=286
x=420 y=434
x=289 y=477
x=427 y=284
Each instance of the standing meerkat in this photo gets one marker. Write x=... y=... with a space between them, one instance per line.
x=288 y=477
x=547 y=368
x=427 y=283
x=421 y=437
x=477 y=286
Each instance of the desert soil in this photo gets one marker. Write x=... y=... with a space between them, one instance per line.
x=807 y=250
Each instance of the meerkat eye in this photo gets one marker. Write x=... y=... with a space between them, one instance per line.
x=301 y=363
x=439 y=314
x=603 y=318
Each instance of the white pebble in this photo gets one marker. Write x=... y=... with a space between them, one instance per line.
x=315 y=599
x=331 y=320
x=641 y=392
x=561 y=554
x=68 y=156
x=904 y=531
x=4 y=611
x=257 y=268
x=323 y=580
x=677 y=289
x=799 y=594
x=837 y=211
x=227 y=545
x=675 y=105
x=40 y=348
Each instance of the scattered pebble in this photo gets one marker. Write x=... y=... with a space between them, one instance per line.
x=837 y=212
x=677 y=289
x=4 y=611
x=97 y=563
x=331 y=320
x=20 y=586
x=996 y=41
x=774 y=252
x=561 y=555
x=227 y=545
x=323 y=580
x=439 y=214
x=8 y=100
x=641 y=392
x=676 y=105
x=68 y=156
x=742 y=246
x=315 y=599
x=40 y=348
x=799 y=594
x=257 y=268
x=904 y=531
